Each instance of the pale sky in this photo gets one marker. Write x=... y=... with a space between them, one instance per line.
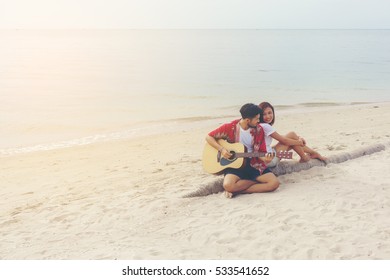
x=202 y=14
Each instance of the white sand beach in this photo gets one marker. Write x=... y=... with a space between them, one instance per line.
x=123 y=199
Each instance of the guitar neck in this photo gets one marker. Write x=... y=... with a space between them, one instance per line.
x=255 y=154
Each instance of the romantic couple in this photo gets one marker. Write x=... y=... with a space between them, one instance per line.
x=255 y=131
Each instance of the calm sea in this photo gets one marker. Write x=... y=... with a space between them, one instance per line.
x=70 y=87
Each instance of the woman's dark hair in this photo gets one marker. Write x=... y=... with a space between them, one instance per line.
x=263 y=106
x=250 y=110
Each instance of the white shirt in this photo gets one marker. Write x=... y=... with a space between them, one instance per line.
x=268 y=130
x=246 y=139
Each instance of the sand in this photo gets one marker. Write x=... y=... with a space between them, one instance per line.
x=124 y=199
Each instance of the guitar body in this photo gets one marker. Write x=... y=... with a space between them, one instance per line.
x=214 y=163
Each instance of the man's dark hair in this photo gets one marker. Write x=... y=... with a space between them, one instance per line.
x=250 y=110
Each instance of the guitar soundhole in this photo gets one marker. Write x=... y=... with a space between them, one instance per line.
x=228 y=161
x=233 y=157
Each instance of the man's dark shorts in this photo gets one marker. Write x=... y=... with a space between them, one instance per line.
x=247 y=172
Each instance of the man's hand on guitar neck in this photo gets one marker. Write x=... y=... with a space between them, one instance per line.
x=267 y=158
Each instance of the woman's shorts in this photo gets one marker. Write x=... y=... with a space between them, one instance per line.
x=275 y=161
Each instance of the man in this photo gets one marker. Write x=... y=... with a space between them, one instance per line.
x=254 y=177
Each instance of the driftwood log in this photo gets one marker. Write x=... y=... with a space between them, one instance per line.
x=286 y=167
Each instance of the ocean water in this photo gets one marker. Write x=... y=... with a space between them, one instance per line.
x=72 y=87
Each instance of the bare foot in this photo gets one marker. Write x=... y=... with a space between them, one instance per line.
x=318 y=156
x=306 y=158
x=228 y=194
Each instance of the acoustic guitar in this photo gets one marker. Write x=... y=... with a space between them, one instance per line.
x=214 y=163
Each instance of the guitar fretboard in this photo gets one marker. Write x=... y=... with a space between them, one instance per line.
x=245 y=155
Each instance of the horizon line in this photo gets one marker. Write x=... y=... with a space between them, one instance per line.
x=126 y=28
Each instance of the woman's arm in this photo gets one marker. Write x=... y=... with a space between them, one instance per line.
x=287 y=141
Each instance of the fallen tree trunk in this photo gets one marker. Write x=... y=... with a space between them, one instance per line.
x=286 y=167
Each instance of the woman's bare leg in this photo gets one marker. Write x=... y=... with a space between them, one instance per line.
x=314 y=154
x=298 y=149
x=306 y=153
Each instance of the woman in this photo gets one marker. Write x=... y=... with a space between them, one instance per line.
x=290 y=141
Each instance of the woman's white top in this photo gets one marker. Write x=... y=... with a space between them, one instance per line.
x=268 y=130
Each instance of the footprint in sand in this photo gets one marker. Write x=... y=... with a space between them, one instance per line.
x=9 y=222
x=288 y=219
x=157 y=170
x=321 y=232
x=28 y=193
x=335 y=148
